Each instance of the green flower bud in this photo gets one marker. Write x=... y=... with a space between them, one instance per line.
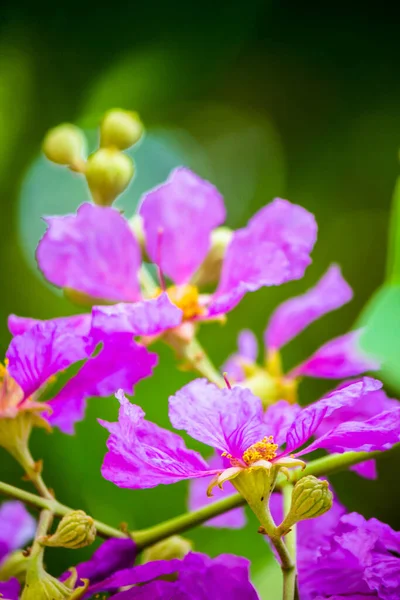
x=173 y=547
x=311 y=497
x=75 y=530
x=120 y=129
x=255 y=484
x=65 y=145
x=40 y=584
x=210 y=270
x=15 y=565
x=108 y=173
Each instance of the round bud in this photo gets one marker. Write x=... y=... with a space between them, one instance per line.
x=75 y=530
x=311 y=497
x=65 y=145
x=120 y=129
x=173 y=547
x=108 y=173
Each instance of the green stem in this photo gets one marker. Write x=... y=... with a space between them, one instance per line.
x=196 y=356
x=290 y=538
x=44 y=524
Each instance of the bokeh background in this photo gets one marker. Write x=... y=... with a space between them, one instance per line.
x=264 y=99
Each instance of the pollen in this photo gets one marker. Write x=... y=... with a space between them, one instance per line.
x=264 y=450
x=186 y=297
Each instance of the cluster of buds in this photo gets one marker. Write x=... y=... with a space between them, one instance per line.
x=108 y=171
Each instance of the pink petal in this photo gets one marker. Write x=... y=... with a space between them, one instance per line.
x=294 y=315
x=79 y=324
x=143 y=455
x=278 y=418
x=185 y=209
x=366 y=469
x=247 y=350
x=148 y=317
x=17 y=526
x=228 y=420
x=120 y=364
x=94 y=252
x=339 y=358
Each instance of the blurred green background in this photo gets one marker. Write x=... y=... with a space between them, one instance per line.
x=267 y=99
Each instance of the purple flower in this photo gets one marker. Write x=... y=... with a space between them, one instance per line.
x=42 y=349
x=232 y=421
x=337 y=359
x=17 y=527
x=196 y=577
x=357 y=559
x=96 y=254
x=9 y=590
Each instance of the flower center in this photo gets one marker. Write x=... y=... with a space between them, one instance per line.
x=186 y=297
x=10 y=392
x=264 y=450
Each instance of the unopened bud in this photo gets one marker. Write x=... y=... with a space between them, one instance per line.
x=65 y=145
x=120 y=129
x=15 y=565
x=210 y=270
x=108 y=173
x=75 y=530
x=40 y=584
x=173 y=547
x=311 y=497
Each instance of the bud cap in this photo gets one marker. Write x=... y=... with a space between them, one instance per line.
x=120 y=129
x=311 y=497
x=108 y=173
x=65 y=145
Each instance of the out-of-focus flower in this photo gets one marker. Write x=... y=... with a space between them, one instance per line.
x=42 y=349
x=17 y=527
x=195 y=577
x=339 y=358
x=9 y=590
x=95 y=254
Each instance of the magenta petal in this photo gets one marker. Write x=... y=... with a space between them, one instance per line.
x=42 y=351
x=178 y=218
x=339 y=358
x=227 y=420
x=148 y=317
x=9 y=590
x=17 y=527
x=120 y=364
x=142 y=455
x=94 y=252
x=78 y=324
x=233 y=519
x=294 y=315
x=366 y=469
x=310 y=418
x=278 y=418
x=247 y=351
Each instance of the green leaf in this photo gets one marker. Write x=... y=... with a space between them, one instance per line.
x=381 y=319
x=393 y=257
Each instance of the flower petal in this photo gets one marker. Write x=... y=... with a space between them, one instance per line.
x=17 y=527
x=278 y=418
x=227 y=420
x=142 y=455
x=9 y=590
x=247 y=351
x=294 y=315
x=366 y=469
x=78 y=324
x=310 y=418
x=120 y=364
x=42 y=351
x=339 y=358
x=148 y=317
x=233 y=519
x=94 y=252
x=185 y=209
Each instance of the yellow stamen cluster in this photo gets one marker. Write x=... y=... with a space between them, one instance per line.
x=186 y=297
x=264 y=450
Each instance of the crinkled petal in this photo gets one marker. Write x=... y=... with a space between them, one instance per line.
x=378 y=433
x=233 y=519
x=227 y=420
x=310 y=418
x=78 y=324
x=113 y=555
x=17 y=527
x=366 y=469
x=278 y=418
x=143 y=455
x=148 y=317
x=383 y=576
x=339 y=358
x=9 y=590
x=120 y=364
x=44 y=350
x=94 y=252
x=294 y=315
x=178 y=218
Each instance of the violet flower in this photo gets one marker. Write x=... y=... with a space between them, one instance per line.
x=96 y=254
x=9 y=590
x=143 y=455
x=339 y=358
x=195 y=577
x=42 y=349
